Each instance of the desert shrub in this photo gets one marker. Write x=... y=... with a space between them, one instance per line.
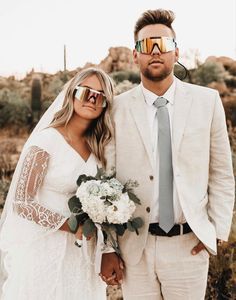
x=45 y=105
x=123 y=86
x=13 y=109
x=55 y=86
x=4 y=186
x=209 y=72
x=131 y=76
x=222 y=270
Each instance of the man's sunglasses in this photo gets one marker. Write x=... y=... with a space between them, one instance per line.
x=85 y=94
x=164 y=44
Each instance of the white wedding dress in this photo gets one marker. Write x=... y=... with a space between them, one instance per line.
x=41 y=261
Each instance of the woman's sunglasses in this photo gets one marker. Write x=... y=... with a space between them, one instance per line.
x=86 y=94
x=164 y=44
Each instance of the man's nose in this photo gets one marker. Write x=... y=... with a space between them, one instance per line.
x=155 y=50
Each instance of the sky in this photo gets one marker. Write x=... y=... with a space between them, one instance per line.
x=33 y=33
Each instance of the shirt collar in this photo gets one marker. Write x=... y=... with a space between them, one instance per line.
x=150 y=97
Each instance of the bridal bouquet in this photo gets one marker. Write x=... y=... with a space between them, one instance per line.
x=103 y=202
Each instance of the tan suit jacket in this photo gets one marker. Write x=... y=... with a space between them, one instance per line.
x=201 y=162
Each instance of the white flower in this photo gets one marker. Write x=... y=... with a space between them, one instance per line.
x=94 y=207
x=116 y=185
x=104 y=201
x=121 y=210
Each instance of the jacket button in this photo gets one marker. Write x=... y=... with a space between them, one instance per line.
x=148 y=209
x=151 y=177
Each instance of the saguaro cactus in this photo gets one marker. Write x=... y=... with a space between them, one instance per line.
x=36 y=105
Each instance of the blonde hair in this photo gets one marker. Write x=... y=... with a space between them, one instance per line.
x=100 y=132
x=158 y=16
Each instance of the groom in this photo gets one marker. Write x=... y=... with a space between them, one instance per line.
x=171 y=137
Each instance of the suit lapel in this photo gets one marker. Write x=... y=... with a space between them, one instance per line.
x=182 y=105
x=138 y=110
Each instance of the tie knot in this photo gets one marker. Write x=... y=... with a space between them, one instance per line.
x=160 y=101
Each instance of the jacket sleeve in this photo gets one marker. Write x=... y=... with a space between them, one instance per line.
x=221 y=186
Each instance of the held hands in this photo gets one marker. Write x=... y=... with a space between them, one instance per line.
x=112 y=267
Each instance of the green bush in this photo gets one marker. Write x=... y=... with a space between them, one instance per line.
x=13 y=109
x=209 y=72
x=55 y=86
x=4 y=186
x=222 y=272
x=45 y=105
x=131 y=76
x=123 y=86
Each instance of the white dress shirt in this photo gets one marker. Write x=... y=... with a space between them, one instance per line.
x=150 y=98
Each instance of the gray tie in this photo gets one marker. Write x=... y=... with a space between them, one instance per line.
x=166 y=210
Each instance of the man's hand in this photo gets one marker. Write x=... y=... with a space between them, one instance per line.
x=200 y=246
x=112 y=269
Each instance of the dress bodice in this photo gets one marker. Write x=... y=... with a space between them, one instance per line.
x=48 y=178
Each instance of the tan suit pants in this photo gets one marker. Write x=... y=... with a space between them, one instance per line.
x=168 y=270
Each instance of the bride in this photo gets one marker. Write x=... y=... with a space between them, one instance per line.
x=39 y=254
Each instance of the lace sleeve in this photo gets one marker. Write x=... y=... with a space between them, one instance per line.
x=32 y=174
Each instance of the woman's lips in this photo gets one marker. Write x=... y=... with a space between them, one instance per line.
x=90 y=107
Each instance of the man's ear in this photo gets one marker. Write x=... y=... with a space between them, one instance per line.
x=176 y=54
x=135 y=56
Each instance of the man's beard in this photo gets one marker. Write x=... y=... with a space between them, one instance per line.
x=161 y=76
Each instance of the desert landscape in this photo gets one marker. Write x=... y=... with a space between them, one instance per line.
x=22 y=102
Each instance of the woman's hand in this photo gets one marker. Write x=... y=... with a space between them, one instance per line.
x=79 y=236
x=79 y=233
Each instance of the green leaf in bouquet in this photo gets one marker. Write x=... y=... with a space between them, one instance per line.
x=73 y=223
x=120 y=229
x=133 y=197
x=108 y=237
x=111 y=174
x=82 y=217
x=130 y=184
x=82 y=178
x=74 y=204
x=88 y=228
x=130 y=226
x=137 y=222
x=100 y=173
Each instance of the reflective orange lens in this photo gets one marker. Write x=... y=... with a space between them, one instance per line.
x=86 y=94
x=164 y=44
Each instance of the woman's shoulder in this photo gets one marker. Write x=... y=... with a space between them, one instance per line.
x=46 y=139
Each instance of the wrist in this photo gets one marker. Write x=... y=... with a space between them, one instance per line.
x=65 y=226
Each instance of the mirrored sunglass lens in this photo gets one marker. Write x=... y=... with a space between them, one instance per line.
x=165 y=44
x=80 y=93
x=97 y=97
x=85 y=94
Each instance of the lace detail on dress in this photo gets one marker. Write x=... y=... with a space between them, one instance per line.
x=32 y=174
